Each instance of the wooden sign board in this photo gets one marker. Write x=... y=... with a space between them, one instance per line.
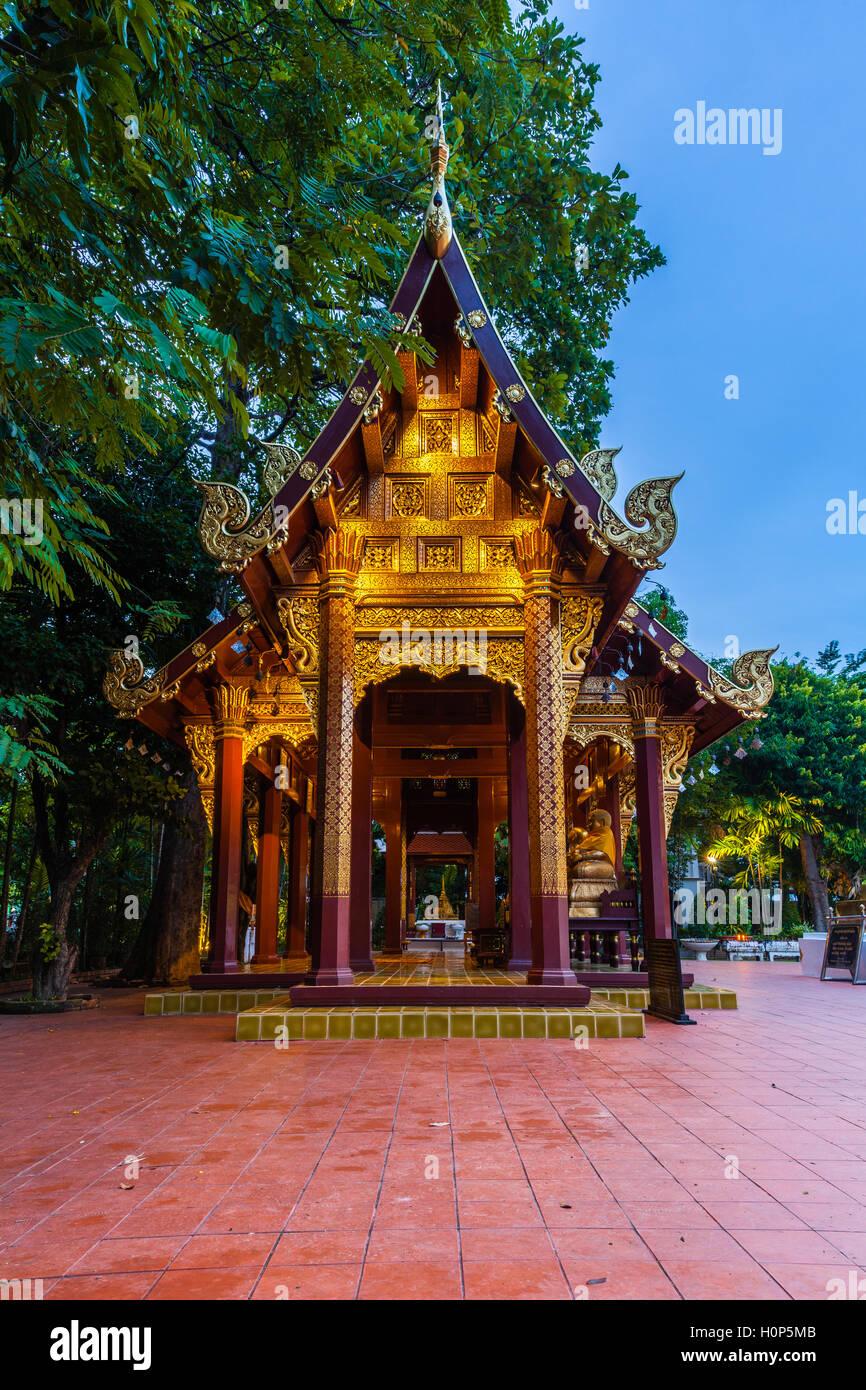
x=662 y=957
x=846 y=949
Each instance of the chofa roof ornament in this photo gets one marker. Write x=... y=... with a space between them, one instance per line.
x=437 y=218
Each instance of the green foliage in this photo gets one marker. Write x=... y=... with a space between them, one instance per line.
x=206 y=210
x=48 y=942
x=803 y=773
x=660 y=602
x=23 y=745
x=757 y=830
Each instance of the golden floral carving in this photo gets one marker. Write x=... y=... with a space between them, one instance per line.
x=497 y=554
x=200 y=742
x=645 y=698
x=650 y=502
x=470 y=499
x=124 y=684
x=282 y=463
x=225 y=529
x=515 y=393
x=477 y=318
x=580 y=616
x=462 y=330
x=583 y=731
x=431 y=618
x=299 y=615
x=598 y=467
x=333 y=841
x=544 y=738
x=503 y=661
x=438 y=434
x=379 y=555
x=407 y=499
x=373 y=407
x=751 y=685
x=676 y=740
x=440 y=555
x=230 y=709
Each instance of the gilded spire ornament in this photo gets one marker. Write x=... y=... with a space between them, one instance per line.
x=437 y=219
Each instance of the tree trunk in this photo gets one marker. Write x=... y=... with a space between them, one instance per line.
x=815 y=884
x=7 y=866
x=51 y=976
x=167 y=948
x=11 y=960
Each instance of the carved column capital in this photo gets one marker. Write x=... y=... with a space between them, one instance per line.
x=338 y=561
x=538 y=563
x=647 y=702
x=230 y=703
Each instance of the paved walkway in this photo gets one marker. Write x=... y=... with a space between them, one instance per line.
x=440 y=1170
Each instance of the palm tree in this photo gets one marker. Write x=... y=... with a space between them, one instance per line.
x=759 y=830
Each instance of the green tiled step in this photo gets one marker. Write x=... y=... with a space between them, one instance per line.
x=210 y=1001
x=696 y=997
x=600 y=1019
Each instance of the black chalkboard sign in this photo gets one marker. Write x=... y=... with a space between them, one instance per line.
x=662 y=958
x=846 y=950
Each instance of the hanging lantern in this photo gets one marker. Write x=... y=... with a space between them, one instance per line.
x=692 y=781
x=740 y=753
x=143 y=749
x=713 y=768
x=757 y=743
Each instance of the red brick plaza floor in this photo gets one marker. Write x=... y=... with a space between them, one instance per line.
x=441 y=1170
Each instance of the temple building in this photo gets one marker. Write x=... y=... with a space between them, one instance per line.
x=439 y=636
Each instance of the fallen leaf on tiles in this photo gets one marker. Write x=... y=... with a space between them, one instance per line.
x=438 y=1124
x=127 y=1186
x=566 y=1205
x=596 y=1281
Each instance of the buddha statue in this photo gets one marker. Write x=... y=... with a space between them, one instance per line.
x=591 y=861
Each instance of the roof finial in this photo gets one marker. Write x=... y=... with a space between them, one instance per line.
x=437 y=219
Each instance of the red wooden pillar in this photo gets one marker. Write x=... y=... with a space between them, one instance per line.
x=393 y=869
x=230 y=711
x=338 y=562
x=268 y=877
x=545 y=774
x=296 y=916
x=647 y=702
x=518 y=855
x=361 y=908
x=486 y=854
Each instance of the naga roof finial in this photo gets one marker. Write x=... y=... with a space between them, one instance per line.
x=437 y=219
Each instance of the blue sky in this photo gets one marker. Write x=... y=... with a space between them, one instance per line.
x=765 y=280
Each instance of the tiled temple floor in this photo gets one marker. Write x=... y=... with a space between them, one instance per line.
x=441 y=1169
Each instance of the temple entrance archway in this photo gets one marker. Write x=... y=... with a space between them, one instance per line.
x=440 y=775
